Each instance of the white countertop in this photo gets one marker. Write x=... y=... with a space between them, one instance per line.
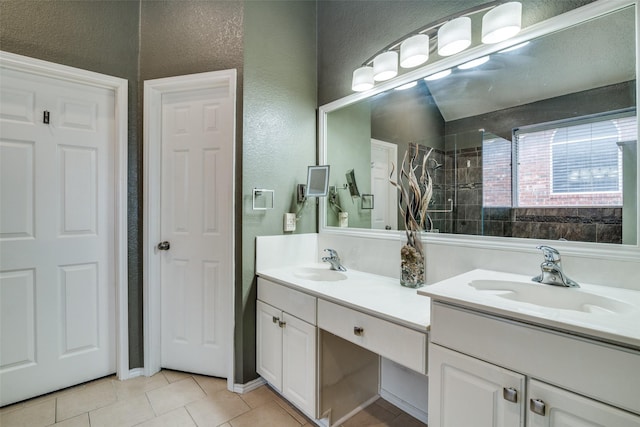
x=378 y=296
x=622 y=328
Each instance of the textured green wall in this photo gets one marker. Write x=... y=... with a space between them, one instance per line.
x=187 y=37
x=100 y=36
x=279 y=138
x=153 y=39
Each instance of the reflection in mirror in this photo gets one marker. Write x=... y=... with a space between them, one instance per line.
x=317 y=181
x=575 y=89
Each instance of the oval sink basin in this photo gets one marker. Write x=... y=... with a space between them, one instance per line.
x=319 y=274
x=552 y=296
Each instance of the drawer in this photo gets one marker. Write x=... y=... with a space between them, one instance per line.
x=398 y=343
x=297 y=303
x=602 y=371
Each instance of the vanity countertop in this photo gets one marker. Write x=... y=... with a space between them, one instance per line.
x=617 y=320
x=376 y=295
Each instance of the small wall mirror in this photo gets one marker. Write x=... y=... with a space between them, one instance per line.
x=351 y=183
x=318 y=181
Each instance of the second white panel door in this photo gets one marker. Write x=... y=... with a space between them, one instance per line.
x=197 y=224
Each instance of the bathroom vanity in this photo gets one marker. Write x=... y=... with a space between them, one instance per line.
x=332 y=342
x=506 y=351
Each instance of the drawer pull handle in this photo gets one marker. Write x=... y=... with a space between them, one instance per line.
x=357 y=330
x=510 y=394
x=537 y=406
x=282 y=324
x=275 y=319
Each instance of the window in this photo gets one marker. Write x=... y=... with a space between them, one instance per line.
x=576 y=163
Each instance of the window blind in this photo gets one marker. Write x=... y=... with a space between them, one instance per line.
x=574 y=164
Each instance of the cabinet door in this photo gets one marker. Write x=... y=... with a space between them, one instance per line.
x=555 y=407
x=269 y=344
x=464 y=391
x=299 y=364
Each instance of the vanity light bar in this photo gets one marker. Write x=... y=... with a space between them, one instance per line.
x=453 y=35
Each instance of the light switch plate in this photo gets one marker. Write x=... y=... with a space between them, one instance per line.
x=289 y=222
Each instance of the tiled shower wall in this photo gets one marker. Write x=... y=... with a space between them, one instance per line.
x=602 y=225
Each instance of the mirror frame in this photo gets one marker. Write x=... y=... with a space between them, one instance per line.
x=559 y=22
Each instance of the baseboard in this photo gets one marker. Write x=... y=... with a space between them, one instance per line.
x=405 y=406
x=135 y=372
x=247 y=387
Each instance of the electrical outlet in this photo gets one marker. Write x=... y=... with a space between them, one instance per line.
x=289 y=222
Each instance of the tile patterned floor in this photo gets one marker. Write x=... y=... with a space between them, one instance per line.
x=176 y=399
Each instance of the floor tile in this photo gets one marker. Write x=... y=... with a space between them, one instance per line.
x=259 y=396
x=176 y=418
x=173 y=376
x=388 y=406
x=93 y=396
x=177 y=399
x=210 y=385
x=370 y=416
x=122 y=413
x=405 y=420
x=268 y=415
x=139 y=385
x=175 y=395
x=295 y=413
x=79 y=421
x=37 y=415
x=217 y=408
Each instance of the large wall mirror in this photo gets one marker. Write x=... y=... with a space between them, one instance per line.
x=537 y=142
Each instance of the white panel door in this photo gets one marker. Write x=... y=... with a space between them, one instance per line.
x=197 y=222
x=57 y=267
x=385 y=197
x=464 y=391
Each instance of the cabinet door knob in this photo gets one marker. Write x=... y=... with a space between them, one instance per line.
x=510 y=394
x=275 y=319
x=164 y=246
x=282 y=324
x=537 y=406
x=357 y=330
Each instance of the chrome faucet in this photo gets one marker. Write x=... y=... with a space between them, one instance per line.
x=334 y=260
x=552 y=273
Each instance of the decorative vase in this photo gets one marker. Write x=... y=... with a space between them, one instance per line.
x=412 y=262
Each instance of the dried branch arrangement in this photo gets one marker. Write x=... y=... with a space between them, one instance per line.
x=415 y=195
x=415 y=192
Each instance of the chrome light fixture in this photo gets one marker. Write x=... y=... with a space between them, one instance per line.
x=502 y=22
x=385 y=66
x=454 y=36
x=414 y=51
x=362 y=79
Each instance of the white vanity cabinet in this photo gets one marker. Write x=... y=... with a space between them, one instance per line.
x=469 y=392
x=286 y=339
x=491 y=371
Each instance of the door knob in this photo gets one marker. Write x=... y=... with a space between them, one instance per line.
x=164 y=246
